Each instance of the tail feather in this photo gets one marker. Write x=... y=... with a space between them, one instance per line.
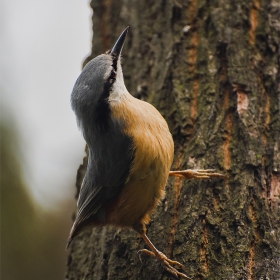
x=74 y=231
x=68 y=242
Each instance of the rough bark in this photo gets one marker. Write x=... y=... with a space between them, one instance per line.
x=212 y=69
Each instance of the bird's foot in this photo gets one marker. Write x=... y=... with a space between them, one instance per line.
x=165 y=262
x=197 y=174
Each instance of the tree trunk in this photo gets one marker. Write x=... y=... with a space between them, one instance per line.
x=212 y=69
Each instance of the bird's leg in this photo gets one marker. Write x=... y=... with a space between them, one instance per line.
x=166 y=263
x=197 y=174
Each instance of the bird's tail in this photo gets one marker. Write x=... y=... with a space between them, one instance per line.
x=74 y=231
x=68 y=242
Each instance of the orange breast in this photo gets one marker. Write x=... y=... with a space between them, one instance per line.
x=154 y=150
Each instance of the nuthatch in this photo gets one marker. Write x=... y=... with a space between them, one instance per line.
x=130 y=152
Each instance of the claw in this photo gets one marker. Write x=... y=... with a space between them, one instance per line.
x=145 y=251
x=198 y=174
x=166 y=263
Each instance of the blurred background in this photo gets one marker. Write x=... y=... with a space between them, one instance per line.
x=43 y=45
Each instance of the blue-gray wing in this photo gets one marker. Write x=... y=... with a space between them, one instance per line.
x=111 y=155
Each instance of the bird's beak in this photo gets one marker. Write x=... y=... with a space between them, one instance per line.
x=117 y=49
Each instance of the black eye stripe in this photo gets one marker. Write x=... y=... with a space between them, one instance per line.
x=113 y=74
x=115 y=62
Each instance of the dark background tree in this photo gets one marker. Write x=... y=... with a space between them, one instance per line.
x=32 y=239
x=212 y=69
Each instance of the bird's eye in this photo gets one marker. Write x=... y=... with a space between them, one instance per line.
x=113 y=74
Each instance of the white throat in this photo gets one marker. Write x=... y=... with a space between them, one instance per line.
x=119 y=89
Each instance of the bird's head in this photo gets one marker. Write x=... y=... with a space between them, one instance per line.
x=100 y=81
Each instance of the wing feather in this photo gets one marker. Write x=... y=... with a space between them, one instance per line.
x=111 y=155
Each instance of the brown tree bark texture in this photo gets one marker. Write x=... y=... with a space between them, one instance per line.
x=212 y=69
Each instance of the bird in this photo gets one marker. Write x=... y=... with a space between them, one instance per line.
x=131 y=151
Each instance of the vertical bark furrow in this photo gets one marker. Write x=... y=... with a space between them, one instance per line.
x=203 y=250
x=178 y=183
x=192 y=57
x=255 y=6
x=255 y=238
